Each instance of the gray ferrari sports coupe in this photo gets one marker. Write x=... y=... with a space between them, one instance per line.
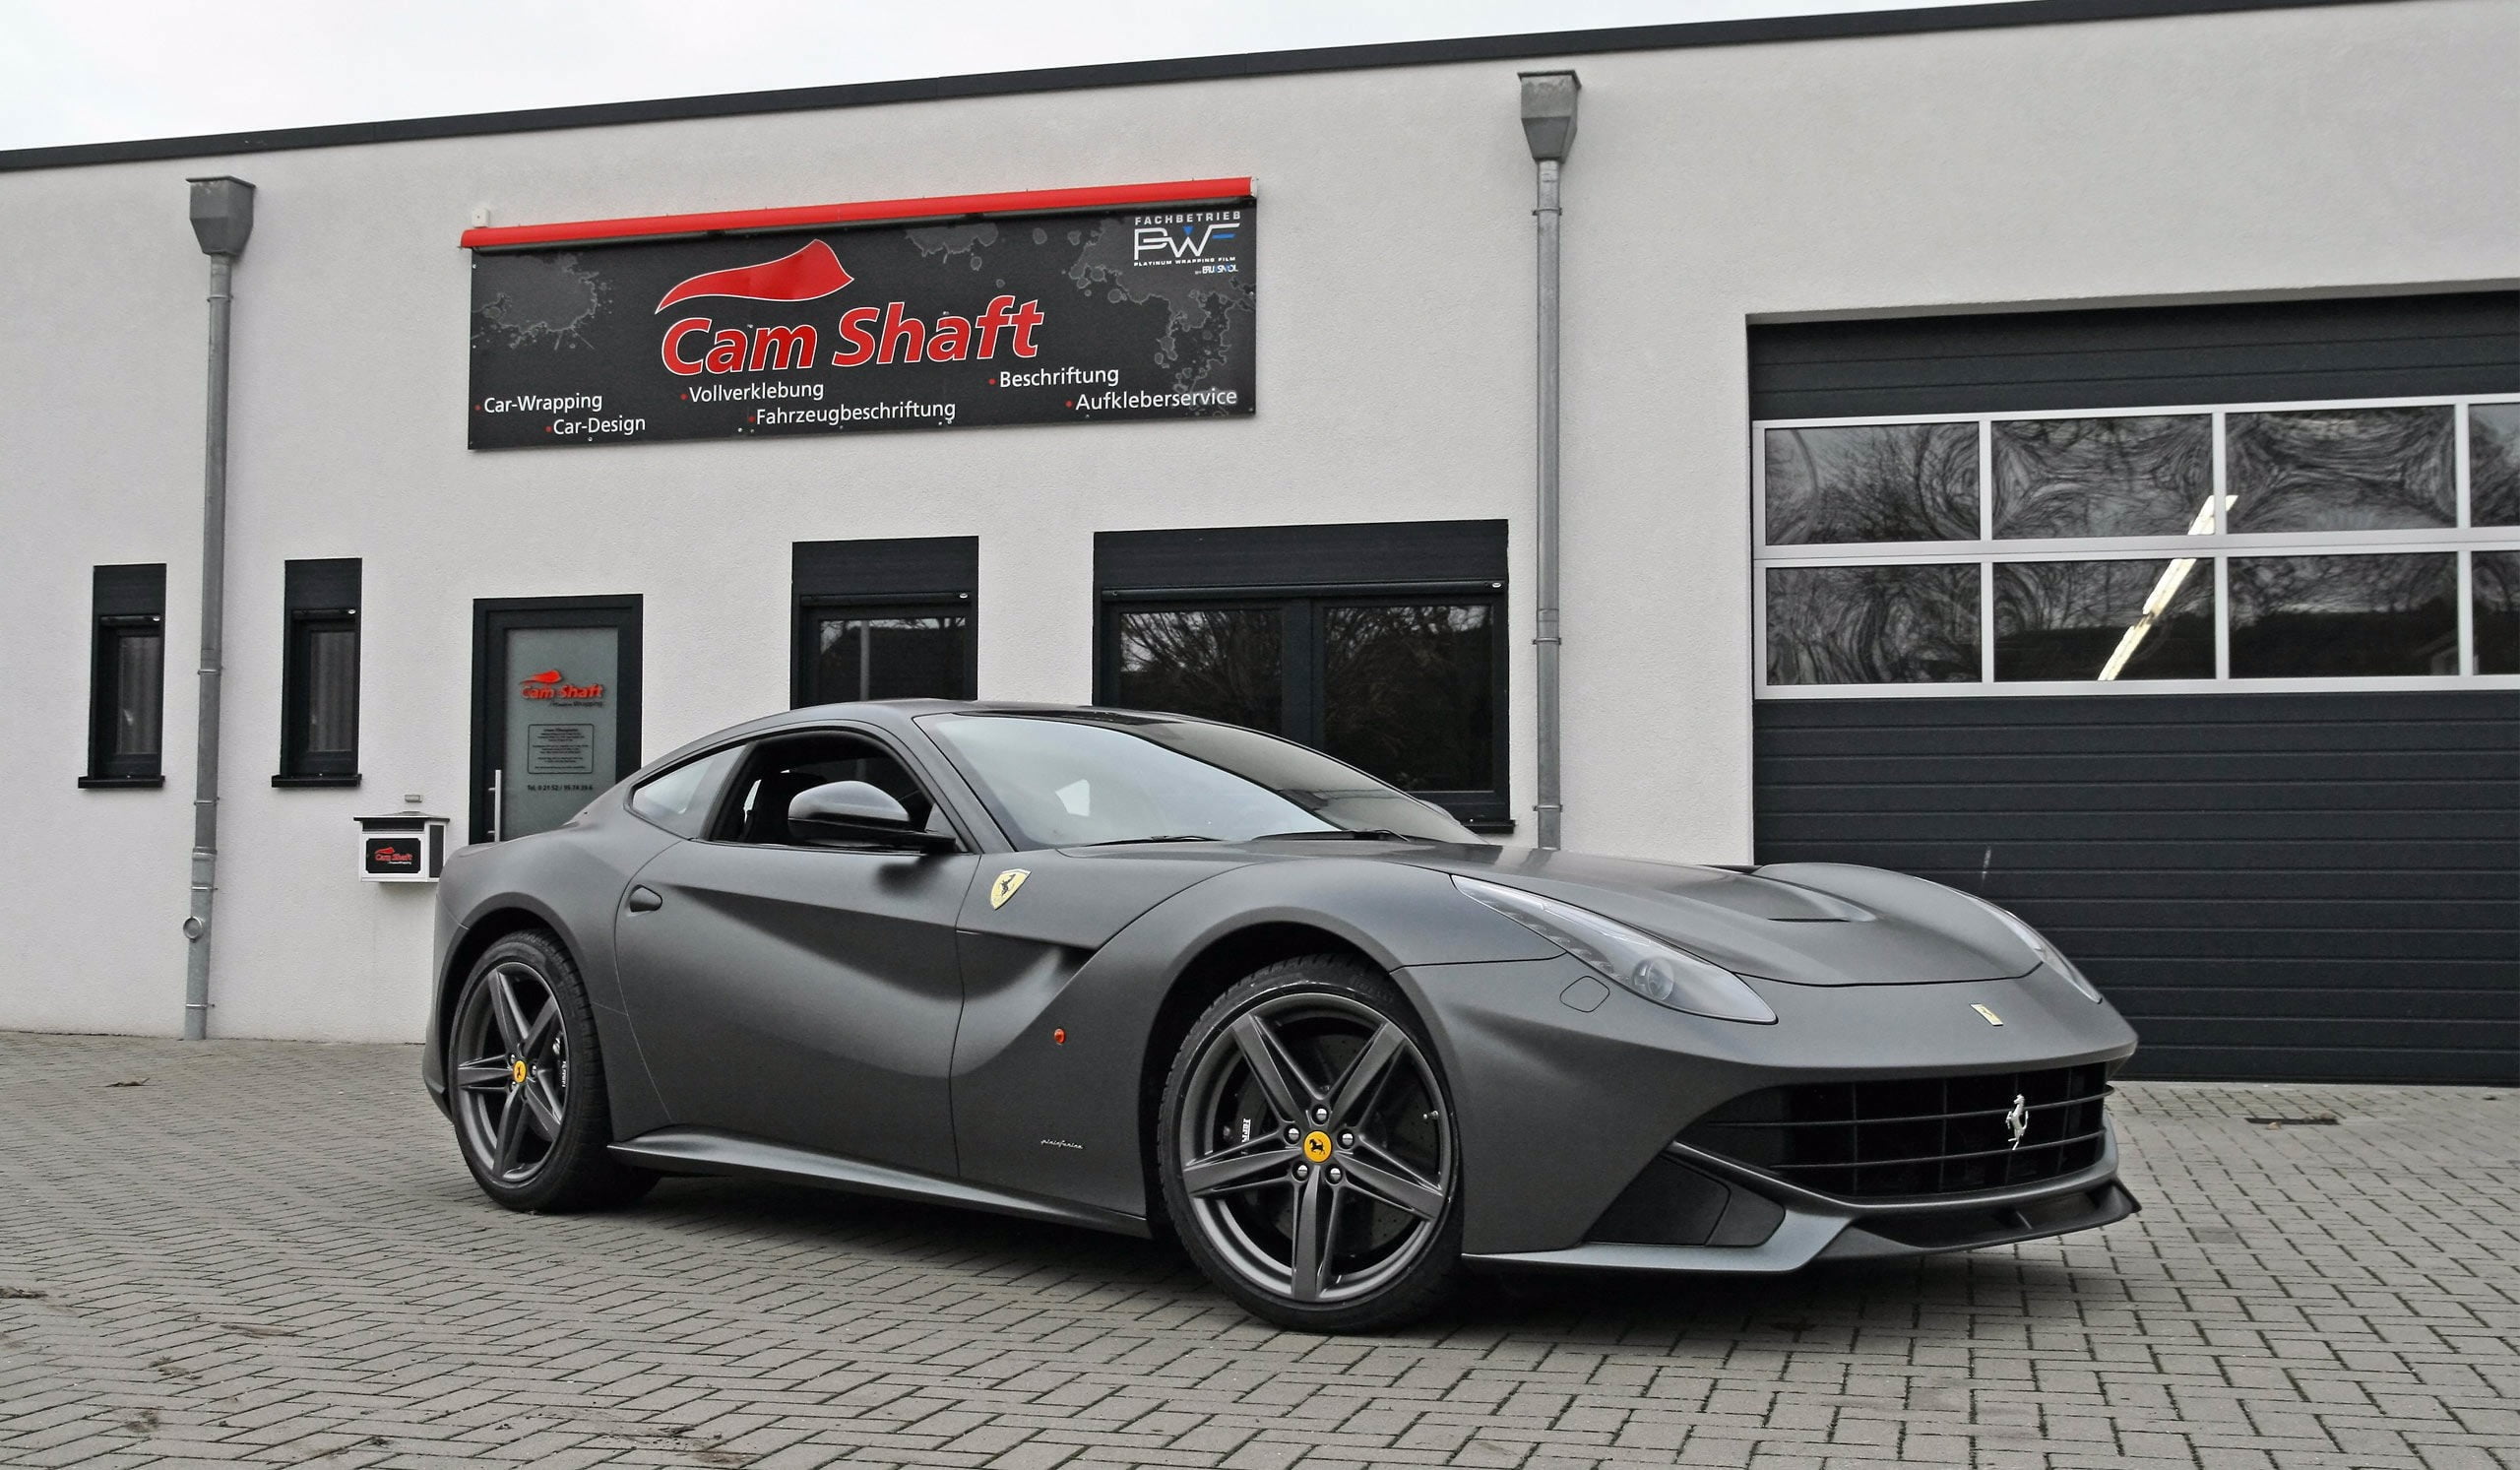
x=1137 y=972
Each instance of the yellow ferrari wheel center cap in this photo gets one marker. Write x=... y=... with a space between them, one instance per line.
x=516 y=1071
x=1316 y=1146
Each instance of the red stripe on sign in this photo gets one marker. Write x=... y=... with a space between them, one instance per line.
x=873 y=212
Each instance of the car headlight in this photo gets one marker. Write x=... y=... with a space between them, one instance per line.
x=1627 y=956
x=2049 y=954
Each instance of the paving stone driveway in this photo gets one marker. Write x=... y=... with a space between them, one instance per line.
x=268 y=1251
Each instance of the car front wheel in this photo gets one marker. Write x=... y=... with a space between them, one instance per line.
x=526 y=1082
x=1307 y=1149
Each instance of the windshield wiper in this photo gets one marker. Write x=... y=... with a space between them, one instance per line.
x=1351 y=834
x=1117 y=842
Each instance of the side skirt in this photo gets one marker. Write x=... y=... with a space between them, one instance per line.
x=702 y=1151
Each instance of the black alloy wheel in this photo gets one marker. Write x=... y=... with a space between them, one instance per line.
x=526 y=1083
x=1309 y=1152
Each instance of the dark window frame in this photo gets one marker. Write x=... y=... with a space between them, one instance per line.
x=300 y=766
x=1303 y=662
x=127 y=602
x=811 y=608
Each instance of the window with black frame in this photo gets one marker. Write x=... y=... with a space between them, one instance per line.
x=1397 y=667
x=127 y=677
x=2331 y=545
x=319 y=674
x=884 y=620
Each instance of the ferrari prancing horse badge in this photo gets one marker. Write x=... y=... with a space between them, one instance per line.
x=1004 y=888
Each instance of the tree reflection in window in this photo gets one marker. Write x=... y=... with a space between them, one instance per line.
x=2494 y=465
x=1872 y=482
x=2105 y=620
x=2104 y=476
x=1872 y=624
x=1217 y=662
x=1408 y=692
x=2342 y=469
x=2343 y=616
x=2494 y=592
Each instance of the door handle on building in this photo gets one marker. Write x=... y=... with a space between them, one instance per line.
x=646 y=900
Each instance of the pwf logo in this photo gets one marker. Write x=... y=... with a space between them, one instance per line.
x=1180 y=241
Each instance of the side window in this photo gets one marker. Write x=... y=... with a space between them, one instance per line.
x=779 y=771
x=678 y=800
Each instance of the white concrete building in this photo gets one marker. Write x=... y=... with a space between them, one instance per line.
x=2164 y=257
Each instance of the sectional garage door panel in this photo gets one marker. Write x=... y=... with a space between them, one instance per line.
x=2376 y=347
x=2275 y=886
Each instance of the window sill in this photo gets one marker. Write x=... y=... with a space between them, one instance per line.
x=120 y=783
x=1502 y=827
x=285 y=782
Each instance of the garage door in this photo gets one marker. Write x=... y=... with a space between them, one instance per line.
x=2192 y=635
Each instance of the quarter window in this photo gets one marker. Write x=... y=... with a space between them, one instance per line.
x=127 y=677
x=2140 y=548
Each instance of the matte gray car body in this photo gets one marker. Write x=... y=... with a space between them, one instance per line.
x=910 y=1050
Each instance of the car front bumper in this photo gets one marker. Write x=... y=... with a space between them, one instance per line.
x=1560 y=1109
x=1818 y=1227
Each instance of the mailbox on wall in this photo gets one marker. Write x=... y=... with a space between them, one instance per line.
x=404 y=846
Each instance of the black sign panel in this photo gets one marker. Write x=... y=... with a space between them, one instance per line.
x=1034 y=319
x=394 y=854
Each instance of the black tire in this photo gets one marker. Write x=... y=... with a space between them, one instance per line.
x=526 y=1080
x=1352 y=1145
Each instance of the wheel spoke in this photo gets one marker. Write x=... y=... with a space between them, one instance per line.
x=1365 y=1075
x=505 y=1010
x=1279 y=1079
x=1223 y=1173
x=489 y=1074
x=542 y=1028
x=542 y=1105
x=510 y=1134
x=1316 y=1214
x=1393 y=1187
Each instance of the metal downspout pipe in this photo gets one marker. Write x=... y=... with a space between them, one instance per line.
x=222 y=215
x=1549 y=125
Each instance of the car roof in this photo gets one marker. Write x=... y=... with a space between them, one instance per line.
x=894 y=715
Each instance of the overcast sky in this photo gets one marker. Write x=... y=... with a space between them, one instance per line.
x=86 y=71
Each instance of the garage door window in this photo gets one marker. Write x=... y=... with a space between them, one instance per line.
x=2319 y=545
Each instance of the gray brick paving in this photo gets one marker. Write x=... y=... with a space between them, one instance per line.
x=269 y=1254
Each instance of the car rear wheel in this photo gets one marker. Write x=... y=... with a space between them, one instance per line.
x=1307 y=1149
x=526 y=1082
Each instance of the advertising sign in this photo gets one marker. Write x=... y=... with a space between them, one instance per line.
x=1045 y=318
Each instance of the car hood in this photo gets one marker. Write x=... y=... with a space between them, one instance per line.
x=1822 y=923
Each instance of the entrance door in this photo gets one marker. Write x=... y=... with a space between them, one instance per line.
x=555 y=708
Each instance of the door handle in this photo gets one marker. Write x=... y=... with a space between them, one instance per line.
x=646 y=900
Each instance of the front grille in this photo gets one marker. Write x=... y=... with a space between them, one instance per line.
x=1914 y=1136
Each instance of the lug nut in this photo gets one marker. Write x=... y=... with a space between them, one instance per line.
x=1294 y=1133
x=1334 y=1175
x=1321 y=1114
x=1347 y=1140
x=1303 y=1170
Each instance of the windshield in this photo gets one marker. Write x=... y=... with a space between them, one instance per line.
x=1068 y=780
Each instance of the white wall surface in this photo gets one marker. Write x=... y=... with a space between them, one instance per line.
x=2335 y=149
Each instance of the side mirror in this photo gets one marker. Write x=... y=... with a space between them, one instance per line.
x=857 y=814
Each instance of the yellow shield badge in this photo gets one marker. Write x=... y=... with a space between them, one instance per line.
x=1004 y=888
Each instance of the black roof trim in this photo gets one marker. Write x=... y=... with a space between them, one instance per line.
x=1971 y=17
